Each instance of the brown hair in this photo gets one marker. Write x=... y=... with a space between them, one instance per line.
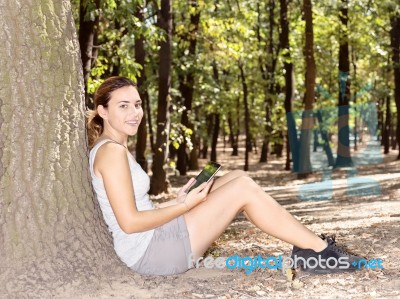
x=102 y=96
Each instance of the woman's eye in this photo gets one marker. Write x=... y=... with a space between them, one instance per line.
x=138 y=105
x=123 y=106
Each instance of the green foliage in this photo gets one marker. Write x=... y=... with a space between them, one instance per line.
x=233 y=32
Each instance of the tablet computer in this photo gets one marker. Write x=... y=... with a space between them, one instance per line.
x=206 y=174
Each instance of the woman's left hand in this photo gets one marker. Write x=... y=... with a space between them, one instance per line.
x=183 y=191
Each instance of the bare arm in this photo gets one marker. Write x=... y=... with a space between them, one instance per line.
x=166 y=204
x=180 y=197
x=112 y=164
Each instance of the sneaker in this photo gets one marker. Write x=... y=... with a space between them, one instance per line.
x=333 y=259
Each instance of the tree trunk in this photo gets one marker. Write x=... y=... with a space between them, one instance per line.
x=393 y=140
x=269 y=76
x=388 y=126
x=287 y=163
x=343 y=158
x=140 y=57
x=381 y=114
x=289 y=88
x=210 y=125
x=307 y=115
x=159 y=181
x=354 y=61
x=325 y=139
x=150 y=124
x=235 y=151
x=246 y=117
x=194 y=154
x=51 y=232
x=214 y=140
x=186 y=85
x=87 y=37
x=230 y=128
x=395 y=44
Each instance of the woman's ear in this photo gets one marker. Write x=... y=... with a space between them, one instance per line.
x=102 y=111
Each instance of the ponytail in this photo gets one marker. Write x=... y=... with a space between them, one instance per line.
x=95 y=126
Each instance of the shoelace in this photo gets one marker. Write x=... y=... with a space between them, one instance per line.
x=331 y=241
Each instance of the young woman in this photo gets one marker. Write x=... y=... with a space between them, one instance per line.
x=163 y=240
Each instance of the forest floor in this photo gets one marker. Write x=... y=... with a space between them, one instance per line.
x=364 y=217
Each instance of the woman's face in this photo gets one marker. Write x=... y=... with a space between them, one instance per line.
x=124 y=111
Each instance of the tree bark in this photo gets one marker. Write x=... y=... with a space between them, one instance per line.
x=354 y=62
x=140 y=57
x=159 y=181
x=232 y=137
x=209 y=127
x=291 y=139
x=343 y=158
x=186 y=87
x=307 y=115
x=246 y=117
x=51 y=231
x=395 y=45
x=269 y=76
x=388 y=126
x=214 y=140
x=381 y=114
x=87 y=37
x=393 y=141
x=325 y=139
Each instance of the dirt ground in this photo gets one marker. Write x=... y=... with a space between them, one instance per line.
x=364 y=218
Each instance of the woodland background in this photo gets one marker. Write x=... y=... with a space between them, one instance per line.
x=295 y=92
x=246 y=69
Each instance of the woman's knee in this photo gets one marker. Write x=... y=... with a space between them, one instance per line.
x=244 y=184
x=239 y=173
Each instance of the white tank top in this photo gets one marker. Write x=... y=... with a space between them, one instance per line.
x=129 y=247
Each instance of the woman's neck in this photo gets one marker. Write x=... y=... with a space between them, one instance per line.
x=120 y=140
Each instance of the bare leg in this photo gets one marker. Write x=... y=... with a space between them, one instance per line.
x=222 y=180
x=237 y=193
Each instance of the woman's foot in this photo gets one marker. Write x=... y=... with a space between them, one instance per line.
x=332 y=259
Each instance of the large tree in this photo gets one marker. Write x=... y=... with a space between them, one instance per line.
x=51 y=232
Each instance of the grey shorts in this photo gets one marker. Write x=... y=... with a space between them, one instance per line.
x=169 y=251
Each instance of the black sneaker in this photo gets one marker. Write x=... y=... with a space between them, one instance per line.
x=333 y=259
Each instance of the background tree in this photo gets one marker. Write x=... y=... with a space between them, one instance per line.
x=227 y=31
x=268 y=74
x=303 y=156
x=288 y=75
x=395 y=45
x=343 y=158
x=187 y=47
x=159 y=181
x=140 y=58
x=88 y=27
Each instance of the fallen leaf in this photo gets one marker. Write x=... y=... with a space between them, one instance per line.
x=297 y=284
x=289 y=274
